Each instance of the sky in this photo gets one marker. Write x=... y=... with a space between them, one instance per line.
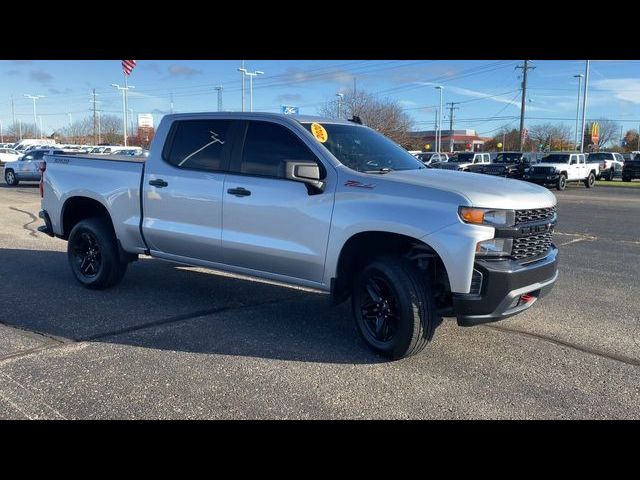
x=488 y=90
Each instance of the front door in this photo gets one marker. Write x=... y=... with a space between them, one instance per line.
x=271 y=224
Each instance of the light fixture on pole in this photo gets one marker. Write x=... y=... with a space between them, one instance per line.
x=439 y=131
x=251 y=75
x=579 y=77
x=340 y=97
x=35 y=116
x=124 y=108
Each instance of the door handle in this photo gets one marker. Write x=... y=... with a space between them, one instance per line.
x=239 y=192
x=158 y=183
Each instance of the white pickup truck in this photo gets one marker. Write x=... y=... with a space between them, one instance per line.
x=558 y=169
x=323 y=203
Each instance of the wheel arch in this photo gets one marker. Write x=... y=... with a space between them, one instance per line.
x=78 y=208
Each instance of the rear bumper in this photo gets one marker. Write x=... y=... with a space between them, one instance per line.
x=47 y=228
x=508 y=288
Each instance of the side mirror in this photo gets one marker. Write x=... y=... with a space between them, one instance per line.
x=305 y=172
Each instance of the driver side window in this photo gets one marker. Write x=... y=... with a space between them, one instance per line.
x=574 y=160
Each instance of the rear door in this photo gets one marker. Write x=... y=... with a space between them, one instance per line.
x=271 y=224
x=183 y=191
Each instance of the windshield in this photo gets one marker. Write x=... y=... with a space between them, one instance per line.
x=365 y=150
x=557 y=158
x=425 y=157
x=462 y=158
x=598 y=157
x=508 y=158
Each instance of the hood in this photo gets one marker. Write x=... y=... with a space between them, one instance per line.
x=454 y=165
x=481 y=190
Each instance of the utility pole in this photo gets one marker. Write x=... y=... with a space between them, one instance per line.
x=340 y=97
x=525 y=68
x=251 y=75
x=41 y=127
x=504 y=138
x=20 y=128
x=13 y=113
x=94 y=115
x=439 y=132
x=451 y=109
x=131 y=120
x=584 y=103
x=70 y=127
x=1 y=133
x=219 y=88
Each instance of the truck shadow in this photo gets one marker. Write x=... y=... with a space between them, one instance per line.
x=166 y=306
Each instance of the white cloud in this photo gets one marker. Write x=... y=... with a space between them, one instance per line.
x=625 y=89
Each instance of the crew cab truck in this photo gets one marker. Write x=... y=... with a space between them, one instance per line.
x=631 y=169
x=610 y=164
x=558 y=169
x=322 y=203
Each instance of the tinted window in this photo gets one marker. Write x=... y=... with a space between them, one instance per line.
x=267 y=148
x=199 y=144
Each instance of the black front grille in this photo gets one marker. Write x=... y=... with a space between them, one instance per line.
x=534 y=215
x=495 y=169
x=531 y=246
x=543 y=170
x=451 y=166
x=538 y=243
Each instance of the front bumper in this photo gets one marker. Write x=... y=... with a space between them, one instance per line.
x=508 y=288
x=542 y=179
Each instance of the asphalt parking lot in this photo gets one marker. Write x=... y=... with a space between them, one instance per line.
x=179 y=342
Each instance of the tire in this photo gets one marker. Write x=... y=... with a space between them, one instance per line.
x=561 y=184
x=406 y=299
x=626 y=179
x=612 y=174
x=590 y=181
x=10 y=178
x=92 y=251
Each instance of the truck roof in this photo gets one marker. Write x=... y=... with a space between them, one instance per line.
x=260 y=115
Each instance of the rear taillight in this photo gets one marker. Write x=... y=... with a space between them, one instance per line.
x=42 y=168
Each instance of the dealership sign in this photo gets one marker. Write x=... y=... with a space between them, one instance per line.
x=289 y=110
x=145 y=120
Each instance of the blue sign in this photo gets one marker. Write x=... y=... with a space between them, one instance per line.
x=289 y=110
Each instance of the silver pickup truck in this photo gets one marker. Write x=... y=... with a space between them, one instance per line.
x=314 y=202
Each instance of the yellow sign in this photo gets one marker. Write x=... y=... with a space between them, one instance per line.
x=499 y=145
x=427 y=147
x=319 y=132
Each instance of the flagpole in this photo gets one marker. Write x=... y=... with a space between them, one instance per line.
x=126 y=91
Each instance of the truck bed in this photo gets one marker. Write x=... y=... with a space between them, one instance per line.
x=113 y=181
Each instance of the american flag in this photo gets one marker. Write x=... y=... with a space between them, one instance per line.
x=127 y=66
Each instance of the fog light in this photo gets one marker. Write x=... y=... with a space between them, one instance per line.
x=495 y=247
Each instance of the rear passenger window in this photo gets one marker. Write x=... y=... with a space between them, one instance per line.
x=267 y=148
x=199 y=144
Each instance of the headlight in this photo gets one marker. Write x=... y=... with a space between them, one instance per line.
x=487 y=216
x=495 y=247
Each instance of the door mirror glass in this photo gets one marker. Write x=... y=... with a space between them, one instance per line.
x=305 y=172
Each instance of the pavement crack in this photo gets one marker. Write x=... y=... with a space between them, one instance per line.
x=26 y=226
x=610 y=356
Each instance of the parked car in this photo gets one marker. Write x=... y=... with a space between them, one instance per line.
x=462 y=161
x=27 y=166
x=506 y=164
x=560 y=168
x=429 y=158
x=631 y=169
x=315 y=202
x=610 y=164
x=8 y=155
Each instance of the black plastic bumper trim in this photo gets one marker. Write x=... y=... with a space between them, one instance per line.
x=503 y=283
x=47 y=228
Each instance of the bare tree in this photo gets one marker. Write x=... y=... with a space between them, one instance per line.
x=609 y=131
x=382 y=114
x=28 y=130
x=549 y=136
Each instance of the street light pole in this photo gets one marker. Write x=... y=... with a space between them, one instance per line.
x=340 y=97
x=124 y=106
x=244 y=72
x=584 y=103
x=439 y=132
x=251 y=75
x=579 y=77
x=35 y=116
